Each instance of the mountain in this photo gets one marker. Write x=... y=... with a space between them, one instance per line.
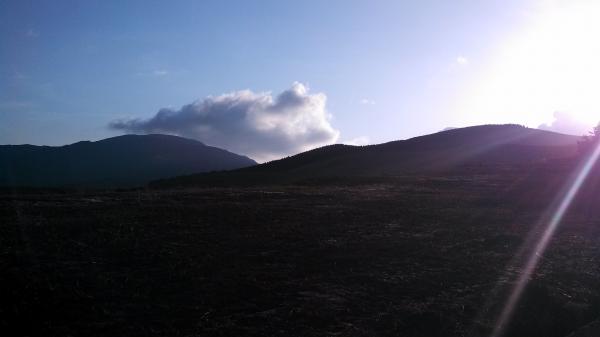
x=484 y=146
x=130 y=160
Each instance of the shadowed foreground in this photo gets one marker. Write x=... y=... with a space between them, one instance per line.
x=415 y=256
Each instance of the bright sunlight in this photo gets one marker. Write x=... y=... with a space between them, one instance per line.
x=552 y=65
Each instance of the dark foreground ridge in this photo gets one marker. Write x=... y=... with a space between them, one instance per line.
x=124 y=161
x=478 y=147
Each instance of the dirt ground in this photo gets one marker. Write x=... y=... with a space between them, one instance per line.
x=418 y=256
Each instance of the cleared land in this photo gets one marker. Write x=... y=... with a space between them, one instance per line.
x=406 y=256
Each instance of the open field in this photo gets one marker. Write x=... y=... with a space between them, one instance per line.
x=425 y=256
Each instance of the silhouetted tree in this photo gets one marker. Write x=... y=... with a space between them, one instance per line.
x=590 y=140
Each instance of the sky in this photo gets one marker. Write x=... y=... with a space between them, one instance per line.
x=272 y=78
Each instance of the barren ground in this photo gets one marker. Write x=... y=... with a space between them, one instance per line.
x=429 y=256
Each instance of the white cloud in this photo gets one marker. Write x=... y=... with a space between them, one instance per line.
x=366 y=101
x=19 y=76
x=462 y=61
x=32 y=33
x=565 y=123
x=15 y=106
x=160 y=72
x=358 y=141
x=255 y=124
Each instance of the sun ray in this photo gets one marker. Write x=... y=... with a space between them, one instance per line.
x=542 y=243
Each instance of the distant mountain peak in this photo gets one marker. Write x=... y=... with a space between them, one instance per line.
x=127 y=160
x=480 y=146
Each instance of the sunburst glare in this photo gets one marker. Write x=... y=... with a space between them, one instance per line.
x=549 y=66
x=541 y=244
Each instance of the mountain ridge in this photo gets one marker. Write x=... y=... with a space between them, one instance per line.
x=491 y=145
x=121 y=161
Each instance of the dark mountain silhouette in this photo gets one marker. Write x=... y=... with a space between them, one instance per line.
x=485 y=146
x=122 y=161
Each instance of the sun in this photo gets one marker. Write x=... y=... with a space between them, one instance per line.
x=552 y=65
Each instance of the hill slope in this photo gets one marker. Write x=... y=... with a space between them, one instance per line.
x=128 y=160
x=485 y=145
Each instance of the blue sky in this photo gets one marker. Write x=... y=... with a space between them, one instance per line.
x=389 y=69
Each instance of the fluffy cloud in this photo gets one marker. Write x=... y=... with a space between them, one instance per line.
x=564 y=123
x=255 y=124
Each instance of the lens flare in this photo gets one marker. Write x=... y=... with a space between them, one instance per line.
x=542 y=243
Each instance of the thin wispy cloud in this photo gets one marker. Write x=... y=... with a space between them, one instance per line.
x=366 y=101
x=32 y=33
x=154 y=73
x=18 y=76
x=15 y=106
x=462 y=61
x=160 y=72
x=255 y=124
